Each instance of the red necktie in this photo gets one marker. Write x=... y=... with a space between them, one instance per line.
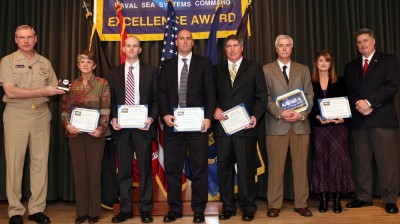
x=365 y=68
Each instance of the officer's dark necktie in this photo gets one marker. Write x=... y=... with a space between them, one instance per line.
x=183 y=84
x=285 y=74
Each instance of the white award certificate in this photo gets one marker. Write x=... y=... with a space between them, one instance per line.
x=188 y=118
x=86 y=120
x=237 y=119
x=293 y=100
x=334 y=108
x=132 y=116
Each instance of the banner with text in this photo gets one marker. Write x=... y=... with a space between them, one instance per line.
x=146 y=19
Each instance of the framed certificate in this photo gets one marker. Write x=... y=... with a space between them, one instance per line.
x=188 y=118
x=132 y=116
x=86 y=120
x=334 y=108
x=293 y=100
x=237 y=118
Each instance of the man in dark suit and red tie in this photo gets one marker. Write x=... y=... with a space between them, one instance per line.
x=186 y=81
x=372 y=81
x=134 y=83
x=238 y=81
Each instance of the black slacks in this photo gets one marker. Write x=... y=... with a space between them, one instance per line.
x=130 y=141
x=175 y=146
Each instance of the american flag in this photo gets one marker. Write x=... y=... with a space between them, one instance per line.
x=171 y=31
x=169 y=50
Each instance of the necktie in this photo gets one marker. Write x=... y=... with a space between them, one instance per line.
x=285 y=75
x=130 y=88
x=183 y=84
x=232 y=73
x=365 y=68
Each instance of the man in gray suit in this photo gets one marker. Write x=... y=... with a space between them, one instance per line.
x=287 y=129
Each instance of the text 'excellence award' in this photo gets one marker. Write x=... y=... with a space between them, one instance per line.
x=334 y=108
x=236 y=119
x=293 y=100
x=132 y=116
x=86 y=120
x=188 y=118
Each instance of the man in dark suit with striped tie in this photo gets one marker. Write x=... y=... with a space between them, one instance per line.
x=134 y=83
x=238 y=81
x=186 y=81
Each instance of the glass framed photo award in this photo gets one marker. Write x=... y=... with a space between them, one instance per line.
x=293 y=100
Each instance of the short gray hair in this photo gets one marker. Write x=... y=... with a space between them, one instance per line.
x=24 y=27
x=283 y=36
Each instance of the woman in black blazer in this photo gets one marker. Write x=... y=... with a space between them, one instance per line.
x=331 y=159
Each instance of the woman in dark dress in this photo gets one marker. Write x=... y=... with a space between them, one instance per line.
x=331 y=159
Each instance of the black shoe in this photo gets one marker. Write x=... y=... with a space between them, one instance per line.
x=122 y=217
x=146 y=217
x=337 y=206
x=248 y=216
x=226 y=215
x=39 y=218
x=172 y=216
x=323 y=203
x=198 y=217
x=358 y=204
x=391 y=208
x=16 y=219
x=93 y=220
x=81 y=219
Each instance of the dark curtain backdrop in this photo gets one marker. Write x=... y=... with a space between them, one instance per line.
x=63 y=31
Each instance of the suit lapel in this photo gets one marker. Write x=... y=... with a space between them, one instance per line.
x=292 y=73
x=358 y=75
x=372 y=63
x=174 y=74
x=142 y=78
x=239 y=75
x=121 y=81
x=192 y=72
x=278 y=73
x=225 y=71
x=243 y=67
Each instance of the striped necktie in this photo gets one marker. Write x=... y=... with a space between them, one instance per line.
x=183 y=84
x=130 y=88
x=232 y=73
